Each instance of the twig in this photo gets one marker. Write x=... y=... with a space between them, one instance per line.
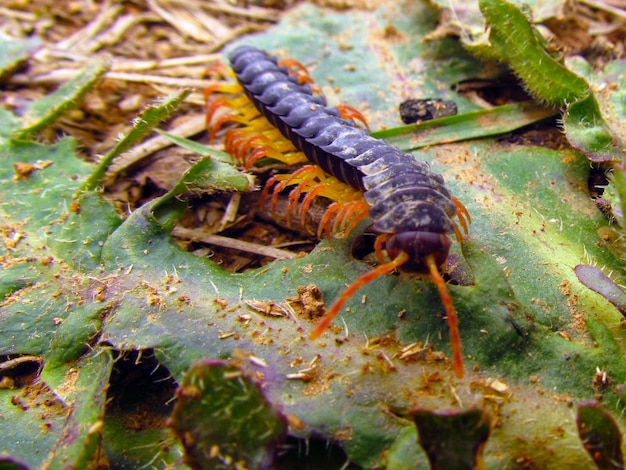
x=107 y=13
x=233 y=243
x=618 y=12
x=63 y=75
x=187 y=129
x=117 y=30
x=182 y=21
x=17 y=14
x=126 y=65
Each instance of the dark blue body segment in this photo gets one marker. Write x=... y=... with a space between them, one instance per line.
x=404 y=195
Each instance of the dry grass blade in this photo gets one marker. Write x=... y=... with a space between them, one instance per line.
x=189 y=128
x=184 y=21
x=80 y=38
x=233 y=243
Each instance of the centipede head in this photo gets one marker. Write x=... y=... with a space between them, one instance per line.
x=419 y=246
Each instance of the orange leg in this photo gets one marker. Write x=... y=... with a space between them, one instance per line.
x=227 y=88
x=266 y=190
x=325 y=230
x=252 y=145
x=309 y=180
x=219 y=68
x=339 y=213
x=288 y=157
x=342 y=216
x=462 y=214
x=349 y=215
x=351 y=290
x=361 y=211
x=249 y=145
x=457 y=232
x=242 y=139
x=453 y=321
x=378 y=246
x=296 y=69
x=213 y=106
x=345 y=215
x=238 y=141
x=348 y=112
x=215 y=128
x=307 y=201
x=312 y=189
x=292 y=64
x=312 y=182
x=304 y=174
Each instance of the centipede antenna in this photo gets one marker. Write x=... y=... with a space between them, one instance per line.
x=453 y=321
x=366 y=278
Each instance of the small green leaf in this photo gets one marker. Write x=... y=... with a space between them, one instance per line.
x=600 y=435
x=206 y=176
x=86 y=387
x=32 y=420
x=43 y=112
x=149 y=118
x=619 y=183
x=513 y=41
x=224 y=420
x=588 y=132
x=453 y=440
x=14 y=52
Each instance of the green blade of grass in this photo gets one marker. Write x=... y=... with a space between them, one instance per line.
x=144 y=123
x=472 y=125
x=43 y=112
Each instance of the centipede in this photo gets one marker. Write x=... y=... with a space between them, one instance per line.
x=279 y=113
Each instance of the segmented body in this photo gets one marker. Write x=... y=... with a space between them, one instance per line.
x=409 y=205
x=403 y=194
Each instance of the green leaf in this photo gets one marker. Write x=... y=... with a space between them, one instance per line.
x=595 y=125
x=206 y=176
x=47 y=203
x=512 y=40
x=45 y=111
x=588 y=132
x=32 y=420
x=86 y=393
x=149 y=118
x=14 y=52
x=244 y=429
x=453 y=440
x=619 y=182
x=76 y=281
x=600 y=435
